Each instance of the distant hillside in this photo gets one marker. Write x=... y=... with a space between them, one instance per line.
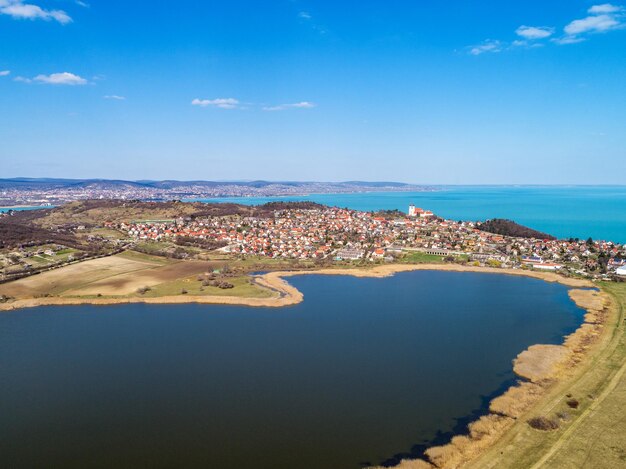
x=510 y=228
x=33 y=191
x=54 y=183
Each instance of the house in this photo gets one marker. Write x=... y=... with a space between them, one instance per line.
x=484 y=257
x=547 y=266
x=438 y=252
x=532 y=260
x=378 y=253
x=349 y=254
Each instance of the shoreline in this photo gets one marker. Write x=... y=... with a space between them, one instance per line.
x=288 y=295
x=540 y=367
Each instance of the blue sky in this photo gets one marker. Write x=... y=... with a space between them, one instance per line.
x=425 y=91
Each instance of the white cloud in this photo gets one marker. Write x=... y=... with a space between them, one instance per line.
x=602 y=18
x=82 y=4
x=305 y=15
x=597 y=24
x=283 y=107
x=568 y=40
x=487 y=46
x=222 y=103
x=604 y=8
x=63 y=78
x=4 y=73
x=19 y=10
x=534 y=32
x=115 y=97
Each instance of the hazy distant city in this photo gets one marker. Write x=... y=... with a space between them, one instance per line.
x=27 y=191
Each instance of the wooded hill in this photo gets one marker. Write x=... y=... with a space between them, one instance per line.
x=510 y=228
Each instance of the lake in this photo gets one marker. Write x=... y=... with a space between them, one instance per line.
x=562 y=211
x=30 y=207
x=363 y=371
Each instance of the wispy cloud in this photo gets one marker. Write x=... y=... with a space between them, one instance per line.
x=600 y=19
x=604 y=8
x=487 y=46
x=567 y=40
x=534 y=32
x=311 y=22
x=5 y=73
x=114 y=97
x=598 y=24
x=232 y=103
x=19 y=10
x=82 y=4
x=284 y=107
x=222 y=103
x=63 y=78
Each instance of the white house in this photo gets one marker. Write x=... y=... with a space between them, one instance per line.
x=547 y=266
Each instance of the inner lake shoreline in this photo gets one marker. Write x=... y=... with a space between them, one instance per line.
x=286 y=294
x=539 y=368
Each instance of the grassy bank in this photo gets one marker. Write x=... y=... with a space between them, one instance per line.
x=592 y=422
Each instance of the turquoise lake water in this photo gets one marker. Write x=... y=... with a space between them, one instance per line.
x=18 y=209
x=365 y=371
x=573 y=211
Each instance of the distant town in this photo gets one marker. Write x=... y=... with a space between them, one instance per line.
x=45 y=192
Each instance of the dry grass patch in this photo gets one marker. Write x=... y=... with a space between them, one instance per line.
x=539 y=362
x=516 y=400
x=128 y=283
x=58 y=281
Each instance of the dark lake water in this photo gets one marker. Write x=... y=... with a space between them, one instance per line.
x=362 y=371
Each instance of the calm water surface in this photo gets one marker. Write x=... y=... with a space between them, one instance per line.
x=572 y=211
x=18 y=209
x=362 y=371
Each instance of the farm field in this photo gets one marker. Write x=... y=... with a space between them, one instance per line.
x=122 y=275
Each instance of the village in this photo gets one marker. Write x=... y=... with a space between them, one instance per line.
x=336 y=234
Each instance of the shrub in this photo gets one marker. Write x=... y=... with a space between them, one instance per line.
x=573 y=403
x=543 y=423
x=562 y=415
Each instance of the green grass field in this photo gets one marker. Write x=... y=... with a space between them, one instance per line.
x=243 y=288
x=416 y=257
